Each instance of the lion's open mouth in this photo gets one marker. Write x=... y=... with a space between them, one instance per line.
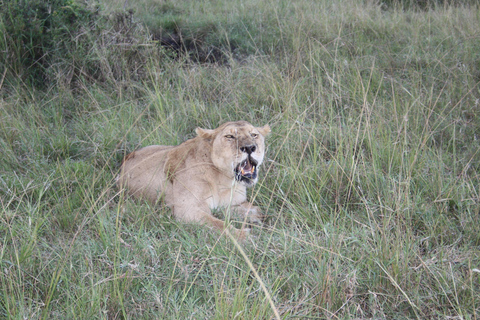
x=246 y=170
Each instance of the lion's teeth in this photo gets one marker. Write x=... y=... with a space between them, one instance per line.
x=253 y=169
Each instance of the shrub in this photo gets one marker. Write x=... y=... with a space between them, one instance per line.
x=426 y=4
x=40 y=34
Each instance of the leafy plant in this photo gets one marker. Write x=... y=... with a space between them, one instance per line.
x=426 y=4
x=39 y=34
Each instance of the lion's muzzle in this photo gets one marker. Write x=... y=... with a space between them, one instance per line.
x=249 y=149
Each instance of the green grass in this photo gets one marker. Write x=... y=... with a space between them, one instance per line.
x=370 y=185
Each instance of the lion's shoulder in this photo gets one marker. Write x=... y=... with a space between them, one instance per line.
x=188 y=154
x=145 y=153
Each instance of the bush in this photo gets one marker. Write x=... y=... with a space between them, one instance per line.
x=40 y=34
x=426 y=4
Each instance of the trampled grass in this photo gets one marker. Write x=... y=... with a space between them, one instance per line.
x=370 y=186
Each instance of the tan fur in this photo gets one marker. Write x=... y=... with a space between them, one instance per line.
x=199 y=175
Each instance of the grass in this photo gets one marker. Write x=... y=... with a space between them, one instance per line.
x=370 y=186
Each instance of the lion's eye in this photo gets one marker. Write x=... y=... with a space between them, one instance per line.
x=254 y=135
x=229 y=136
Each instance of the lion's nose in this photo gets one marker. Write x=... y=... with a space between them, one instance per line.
x=249 y=149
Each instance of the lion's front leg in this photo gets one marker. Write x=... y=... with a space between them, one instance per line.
x=251 y=212
x=200 y=213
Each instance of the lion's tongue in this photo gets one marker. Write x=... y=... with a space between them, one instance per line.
x=247 y=168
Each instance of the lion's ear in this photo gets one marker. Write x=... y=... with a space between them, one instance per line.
x=205 y=133
x=265 y=130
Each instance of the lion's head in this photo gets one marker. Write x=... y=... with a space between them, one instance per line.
x=238 y=149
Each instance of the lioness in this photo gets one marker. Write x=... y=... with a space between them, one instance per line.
x=209 y=171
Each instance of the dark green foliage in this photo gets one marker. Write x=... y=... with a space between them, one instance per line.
x=425 y=4
x=40 y=34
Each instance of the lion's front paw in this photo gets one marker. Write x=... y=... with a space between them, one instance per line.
x=255 y=215
x=251 y=212
x=242 y=234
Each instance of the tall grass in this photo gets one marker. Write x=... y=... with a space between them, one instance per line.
x=370 y=186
